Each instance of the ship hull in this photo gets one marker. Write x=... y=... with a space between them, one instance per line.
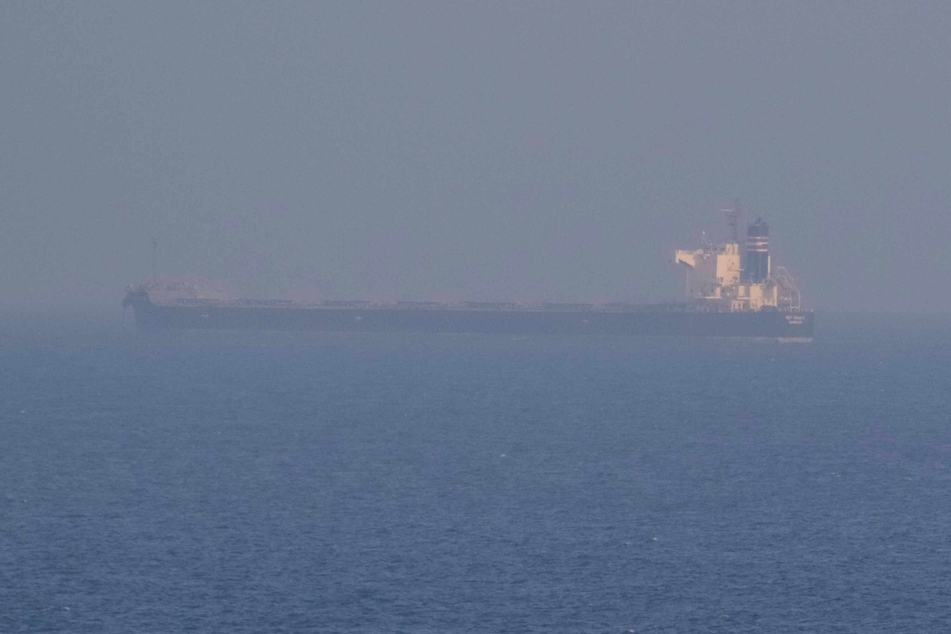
x=661 y=320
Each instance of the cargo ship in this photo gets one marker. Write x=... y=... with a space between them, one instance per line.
x=727 y=295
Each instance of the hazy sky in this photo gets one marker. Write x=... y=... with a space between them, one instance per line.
x=476 y=150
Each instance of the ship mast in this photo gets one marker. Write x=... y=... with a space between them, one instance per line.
x=733 y=216
x=154 y=259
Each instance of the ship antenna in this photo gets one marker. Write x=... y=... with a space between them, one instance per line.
x=154 y=259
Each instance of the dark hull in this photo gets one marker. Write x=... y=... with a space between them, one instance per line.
x=645 y=321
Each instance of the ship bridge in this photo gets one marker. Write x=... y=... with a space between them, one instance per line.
x=716 y=275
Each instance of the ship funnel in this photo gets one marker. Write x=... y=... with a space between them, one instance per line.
x=756 y=270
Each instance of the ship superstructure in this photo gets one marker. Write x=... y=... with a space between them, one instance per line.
x=727 y=296
x=717 y=275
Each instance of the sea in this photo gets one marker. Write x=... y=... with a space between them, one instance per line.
x=278 y=482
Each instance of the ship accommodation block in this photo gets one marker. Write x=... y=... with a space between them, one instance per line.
x=715 y=277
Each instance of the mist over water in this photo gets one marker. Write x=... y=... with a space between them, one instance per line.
x=481 y=151
x=531 y=152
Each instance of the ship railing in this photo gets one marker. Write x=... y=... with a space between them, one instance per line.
x=347 y=303
x=490 y=305
x=188 y=301
x=568 y=307
x=428 y=305
x=573 y=307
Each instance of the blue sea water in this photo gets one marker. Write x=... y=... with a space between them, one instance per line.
x=282 y=483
